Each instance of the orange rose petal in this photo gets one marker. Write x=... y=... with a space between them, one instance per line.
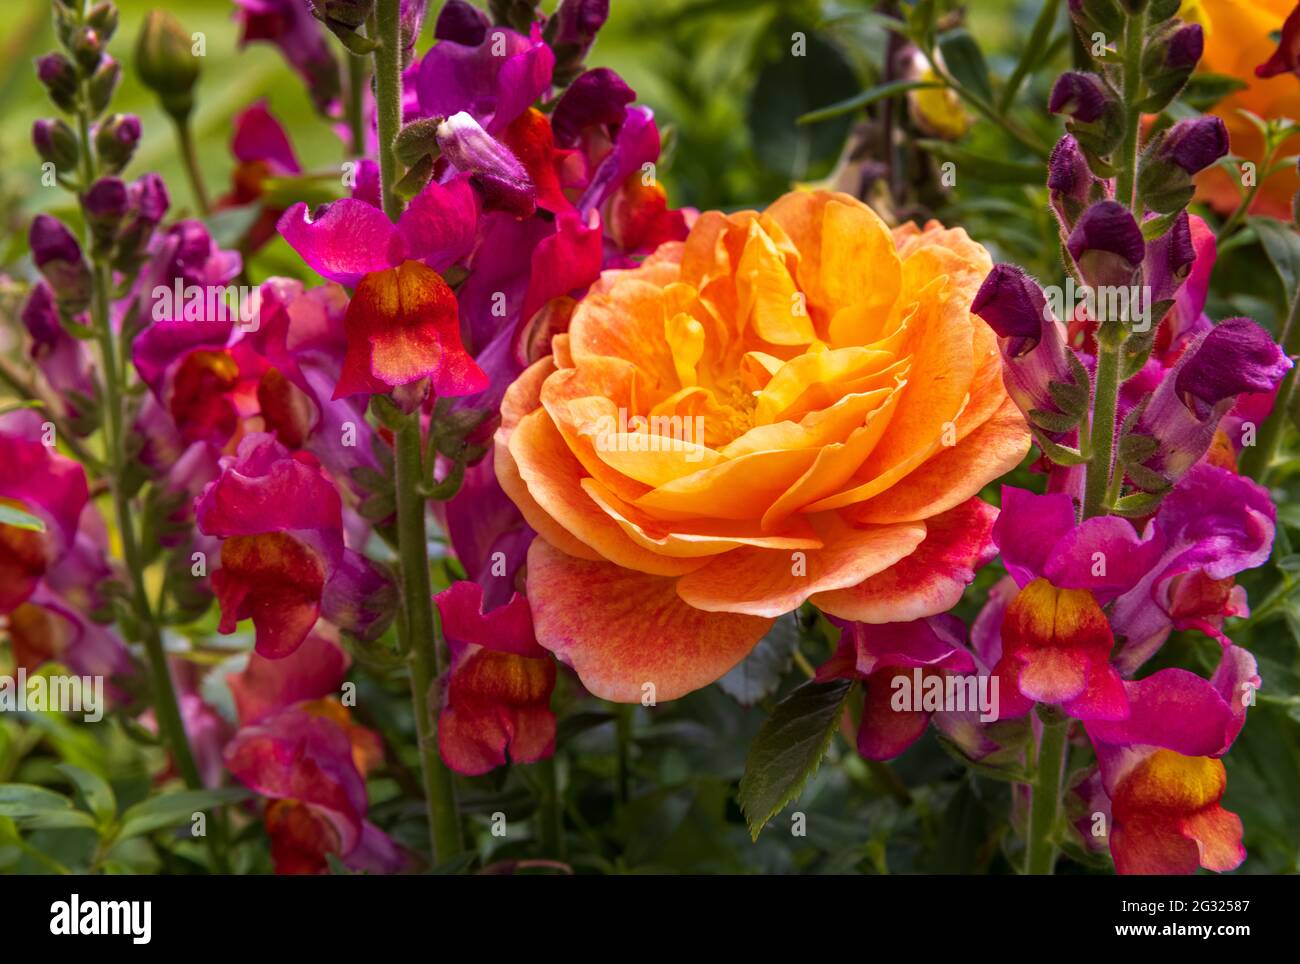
x=768 y=299
x=769 y=582
x=741 y=488
x=655 y=458
x=700 y=537
x=824 y=426
x=929 y=581
x=516 y=489
x=954 y=474
x=625 y=322
x=553 y=477
x=858 y=259
x=524 y=394
x=621 y=630
x=813 y=381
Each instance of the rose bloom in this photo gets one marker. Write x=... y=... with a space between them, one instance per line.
x=787 y=406
x=1240 y=35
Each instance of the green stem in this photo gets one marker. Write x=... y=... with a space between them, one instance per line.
x=420 y=638
x=356 y=98
x=385 y=27
x=1126 y=181
x=550 y=814
x=1044 y=803
x=1101 y=435
x=185 y=138
x=1258 y=459
x=623 y=736
x=1038 y=40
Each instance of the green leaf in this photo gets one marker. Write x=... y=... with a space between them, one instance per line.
x=965 y=61
x=94 y=789
x=865 y=99
x=1282 y=246
x=21 y=800
x=760 y=673
x=1204 y=90
x=13 y=516
x=788 y=748
x=991 y=170
x=171 y=809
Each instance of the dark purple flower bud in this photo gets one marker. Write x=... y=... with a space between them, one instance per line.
x=1012 y=303
x=1107 y=245
x=56 y=143
x=1033 y=350
x=105 y=205
x=597 y=97
x=39 y=316
x=1169 y=259
x=50 y=240
x=149 y=198
x=60 y=78
x=58 y=256
x=1235 y=357
x=1186 y=44
x=461 y=23
x=577 y=21
x=503 y=181
x=1070 y=181
x=1196 y=143
x=148 y=201
x=1079 y=95
x=116 y=139
x=103 y=17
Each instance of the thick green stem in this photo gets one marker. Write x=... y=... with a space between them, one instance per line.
x=1044 y=803
x=420 y=634
x=1126 y=181
x=1258 y=459
x=1101 y=435
x=185 y=138
x=386 y=29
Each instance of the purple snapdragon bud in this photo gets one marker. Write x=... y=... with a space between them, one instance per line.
x=60 y=78
x=56 y=143
x=87 y=48
x=570 y=33
x=58 y=257
x=598 y=97
x=1169 y=259
x=461 y=23
x=1186 y=44
x=103 y=84
x=1107 y=245
x=503 y=181
x=1079 y=95
x=1196 y=143
x=1034 y=354
x=105 y=205
x=115 y=140
x=1171 y=55
x=1070 y=182
x=147 y=205
x=1236 y=356
x=1011 y=303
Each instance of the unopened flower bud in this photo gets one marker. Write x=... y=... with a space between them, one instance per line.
x=1096 y=121
x=1070 y=182
x=1097 y=16
x=116 y=139
x=166 y=63
x=58 y=257
x=60 y=78
x=103 y=17
x=496 y=172
x=570 y=33
x=1171 y=55
x=417 y=140
x=56 y=143
x=105 y=206
x=461 y=23
x=148 y=203
x=1174 y=156
x=87 y=47
x=103 y=84
x=1107 y=245
x=343 y=18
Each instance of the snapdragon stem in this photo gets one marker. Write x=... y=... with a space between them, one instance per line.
x=1101 y=436
x=1044 y=804
x=417 y=625
x=1257 y=460
x=190 y=157
x=1126 y=180
x=422 y=642
x=166 y=706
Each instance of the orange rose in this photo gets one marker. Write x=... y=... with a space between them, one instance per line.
x=1239 y=36
x=788 y=406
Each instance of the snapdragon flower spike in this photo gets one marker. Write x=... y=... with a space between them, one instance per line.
x=497 y=692
x=1161 y=772
x=283 y=561
x=880 y=654
x=494 y=81
x=36 y=480
x=1107 y=245
x=504 y=183
x=1233 y=358
x=1034 y=353
x=1286 y=58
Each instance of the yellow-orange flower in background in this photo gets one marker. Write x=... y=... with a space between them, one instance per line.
x=787 y=406
x=1240 y=35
